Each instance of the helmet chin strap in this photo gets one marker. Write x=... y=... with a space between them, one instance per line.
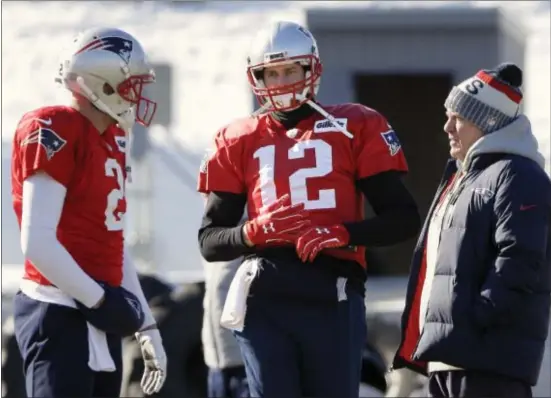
x=267 y=107
x=125 y=120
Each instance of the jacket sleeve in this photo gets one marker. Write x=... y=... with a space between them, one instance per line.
x=522 y=211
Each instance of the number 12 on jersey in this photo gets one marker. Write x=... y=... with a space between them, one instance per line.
x=297 y=181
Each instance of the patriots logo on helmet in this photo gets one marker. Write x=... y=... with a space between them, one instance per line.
x=392 y=141
x=118 y=45
x=48 y=138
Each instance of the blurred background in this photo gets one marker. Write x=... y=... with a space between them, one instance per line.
x=399 y=57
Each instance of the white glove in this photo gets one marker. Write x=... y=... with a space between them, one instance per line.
x=154 y=358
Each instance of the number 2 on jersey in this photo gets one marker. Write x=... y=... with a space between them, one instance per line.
x=297 y=180
x=114 y=222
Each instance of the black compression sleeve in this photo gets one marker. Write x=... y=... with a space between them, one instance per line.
x=220 y=236
x=397 y=217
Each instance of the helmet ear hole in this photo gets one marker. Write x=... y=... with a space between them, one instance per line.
x=108 y=89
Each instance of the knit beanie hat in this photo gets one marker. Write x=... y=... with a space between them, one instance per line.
x=491 y=99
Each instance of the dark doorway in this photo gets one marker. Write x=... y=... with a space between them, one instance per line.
x=414 y=106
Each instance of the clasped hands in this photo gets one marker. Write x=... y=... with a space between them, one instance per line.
x=282 y=223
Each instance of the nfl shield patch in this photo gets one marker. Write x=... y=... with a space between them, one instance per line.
x=121 y=143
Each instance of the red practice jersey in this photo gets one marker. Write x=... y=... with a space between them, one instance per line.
x=314 y=162
x=61 y=142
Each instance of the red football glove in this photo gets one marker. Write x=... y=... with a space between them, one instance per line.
x=280 y=223
x=316 y=239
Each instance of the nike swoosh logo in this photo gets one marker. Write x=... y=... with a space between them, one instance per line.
x=47 y=122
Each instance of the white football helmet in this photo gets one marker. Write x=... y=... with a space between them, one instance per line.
x=109 y=67
x=278 y=44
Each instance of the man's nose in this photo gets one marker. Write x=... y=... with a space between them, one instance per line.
x=448 y=127
x=283 y=80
